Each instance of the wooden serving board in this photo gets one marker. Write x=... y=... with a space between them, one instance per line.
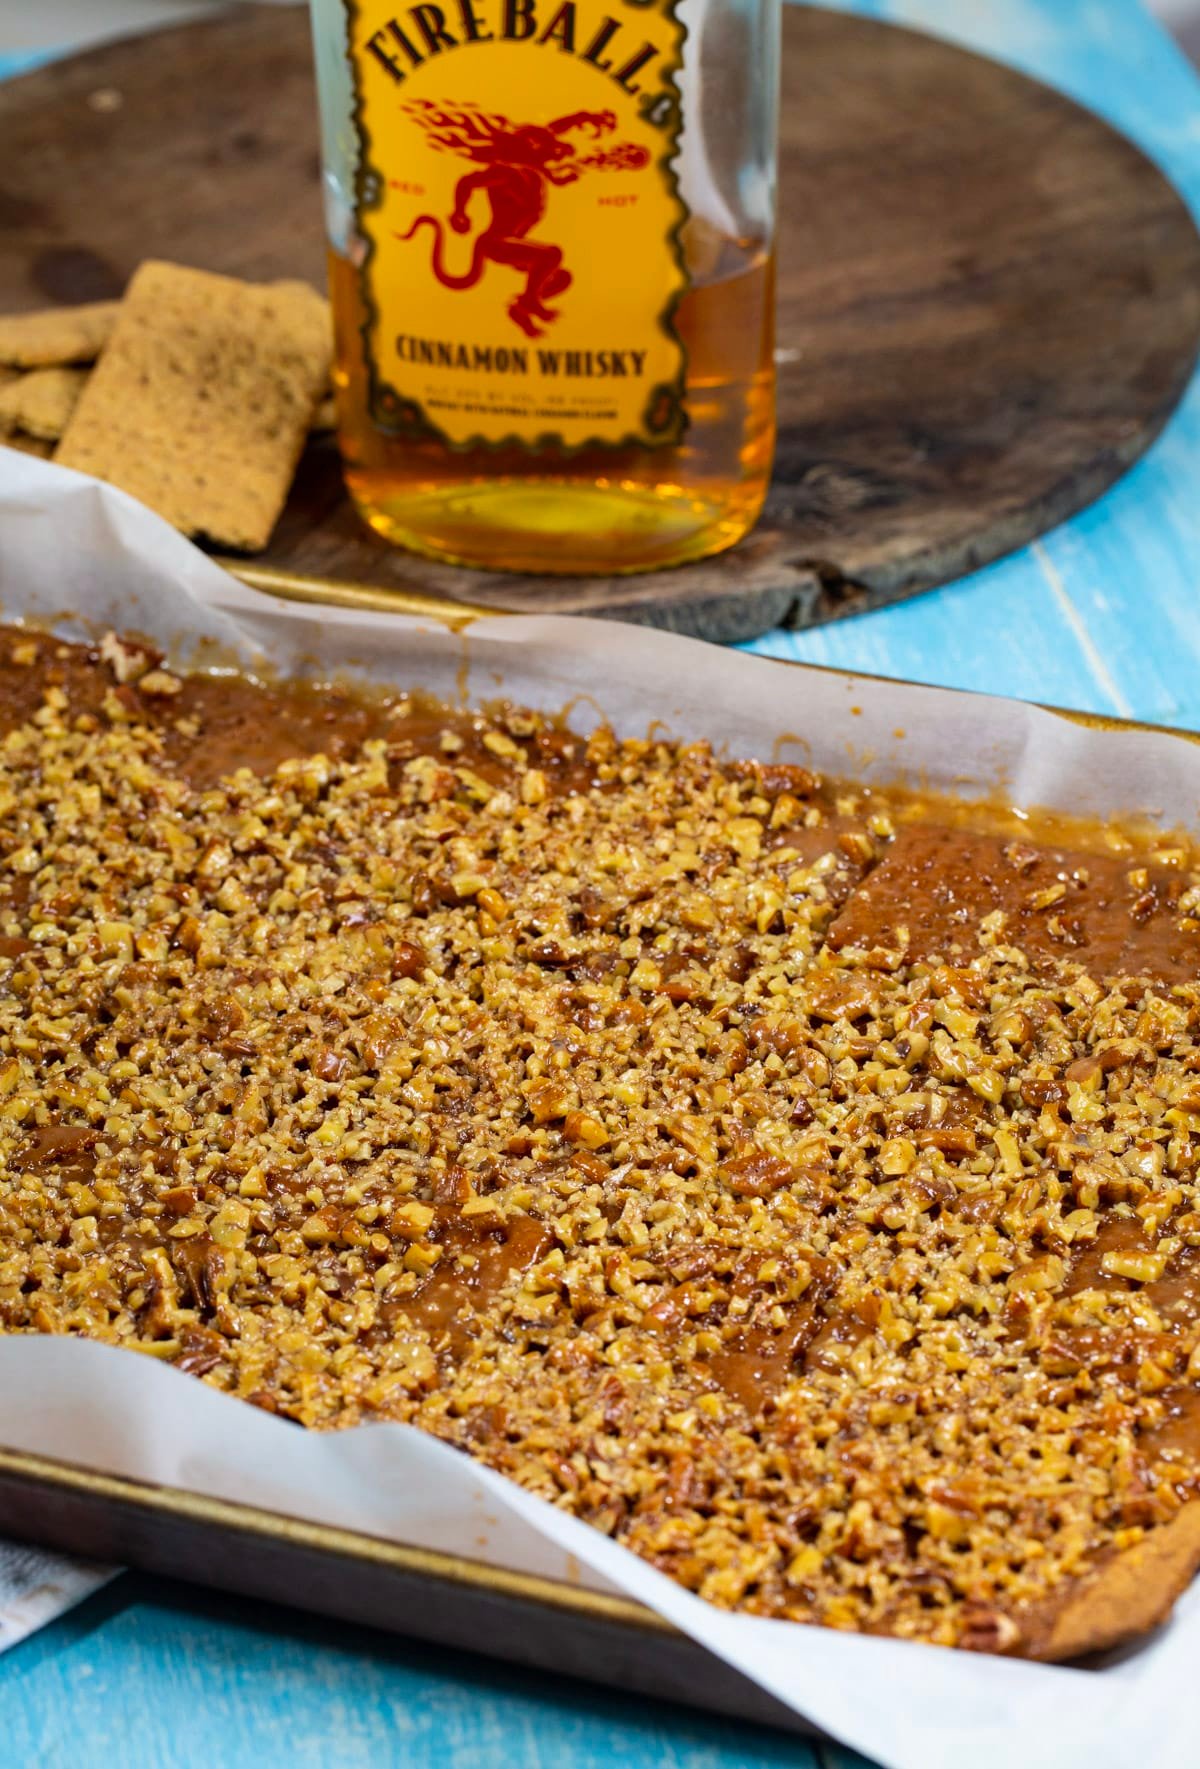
x=988 y=300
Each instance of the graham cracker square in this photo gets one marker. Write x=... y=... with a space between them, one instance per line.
x=202 y=399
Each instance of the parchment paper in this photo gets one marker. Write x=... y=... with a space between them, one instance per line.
x=87 y=557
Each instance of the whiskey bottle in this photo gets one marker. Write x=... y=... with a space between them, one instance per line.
x=551 y=246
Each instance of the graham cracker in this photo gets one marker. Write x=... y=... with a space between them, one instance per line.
x=41 y=402
x=55 y=335
x=1120 y=1598
x=202 y=399
x=28 y=445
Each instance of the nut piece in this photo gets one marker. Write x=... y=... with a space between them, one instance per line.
x=127 y=660
x=161 y=683
x=581 y=1127
x=411 y=1221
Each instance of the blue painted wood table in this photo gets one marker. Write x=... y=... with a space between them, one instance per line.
x=1104 y=614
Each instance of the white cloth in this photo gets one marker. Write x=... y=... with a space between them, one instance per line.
x=36 y=1587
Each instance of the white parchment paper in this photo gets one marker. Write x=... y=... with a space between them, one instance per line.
x=86 y=557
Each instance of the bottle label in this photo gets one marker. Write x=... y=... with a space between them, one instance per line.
x=519 y=219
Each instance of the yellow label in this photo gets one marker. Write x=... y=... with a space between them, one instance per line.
x=520 y=219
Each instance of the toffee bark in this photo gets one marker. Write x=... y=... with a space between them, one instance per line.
x=802 y=1193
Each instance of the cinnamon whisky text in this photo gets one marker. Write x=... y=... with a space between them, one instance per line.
x=517 y=360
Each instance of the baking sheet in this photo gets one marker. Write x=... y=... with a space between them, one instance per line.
x=87 y=557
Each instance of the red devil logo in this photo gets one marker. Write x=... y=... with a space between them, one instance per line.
x=517 y=162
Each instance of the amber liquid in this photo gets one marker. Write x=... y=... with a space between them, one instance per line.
x=597 y=511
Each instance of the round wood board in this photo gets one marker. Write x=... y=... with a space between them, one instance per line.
x=988 y=300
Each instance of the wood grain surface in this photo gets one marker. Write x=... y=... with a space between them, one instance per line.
x=989 y=301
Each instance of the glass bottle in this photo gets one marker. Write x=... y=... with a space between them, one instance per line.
x=551 y=245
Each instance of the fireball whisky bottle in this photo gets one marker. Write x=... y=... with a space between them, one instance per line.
x=551 y=231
